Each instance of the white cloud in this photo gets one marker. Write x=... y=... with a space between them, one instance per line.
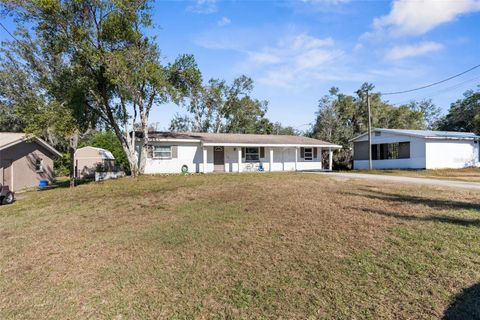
x=223 y=22
x=326 y=2
x=409 y=17
x=406 y=51
x=203 y=6
x=297 y=58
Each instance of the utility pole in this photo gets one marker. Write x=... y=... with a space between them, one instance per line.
x=370 y=167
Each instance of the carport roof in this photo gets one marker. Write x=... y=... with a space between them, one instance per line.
x=238 y=139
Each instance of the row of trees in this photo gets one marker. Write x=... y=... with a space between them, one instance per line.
x=220 y=107
x=341 y=117
x=77 y=66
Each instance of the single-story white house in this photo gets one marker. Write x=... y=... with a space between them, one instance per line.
x=168 y=152
x=417 y=149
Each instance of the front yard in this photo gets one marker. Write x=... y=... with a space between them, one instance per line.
x=284 y=245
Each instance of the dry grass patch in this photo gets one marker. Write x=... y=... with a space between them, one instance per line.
x=238 y=246
x=467 y=174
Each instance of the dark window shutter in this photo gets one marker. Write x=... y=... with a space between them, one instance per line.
x=302 y=152
x=383 y=151
x=243 y=152
x=374 y=152
x=174 y=152
x=262 y=152
x=360 y=150
x=315 y=153
x=150 y=151
x=404 y=150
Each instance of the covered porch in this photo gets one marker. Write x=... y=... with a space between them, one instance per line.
x=268 y=158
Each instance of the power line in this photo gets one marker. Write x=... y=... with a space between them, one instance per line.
x=432 y=84
x=11 y=35
x=436 y=93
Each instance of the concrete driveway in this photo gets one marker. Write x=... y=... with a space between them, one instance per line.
x=400 y=179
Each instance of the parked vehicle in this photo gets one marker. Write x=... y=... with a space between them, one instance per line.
x=6 y=196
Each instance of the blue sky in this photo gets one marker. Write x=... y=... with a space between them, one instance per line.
x=296 y=50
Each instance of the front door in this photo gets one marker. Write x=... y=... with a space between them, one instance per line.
x=218 y=159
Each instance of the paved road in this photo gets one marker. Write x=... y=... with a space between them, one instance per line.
x=400 y=179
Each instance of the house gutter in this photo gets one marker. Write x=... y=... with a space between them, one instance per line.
x=212 y=144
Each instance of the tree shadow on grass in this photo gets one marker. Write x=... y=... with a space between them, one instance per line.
x=428 y=218
x=65 y=183
x=466 y=305
x=412 y=199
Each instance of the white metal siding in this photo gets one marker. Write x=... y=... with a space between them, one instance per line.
x=452 y=154
x=417 y=153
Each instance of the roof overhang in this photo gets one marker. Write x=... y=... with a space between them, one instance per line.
x=171 y=140
x=41 y=142
x=271 y=145
x=409 y=134
x=453 y=138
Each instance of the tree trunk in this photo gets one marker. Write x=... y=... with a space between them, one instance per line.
x=72 y=148
x=144 y=144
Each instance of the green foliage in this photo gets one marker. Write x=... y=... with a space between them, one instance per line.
x=219 y=107
x=109 y=141
x=341 y=117
x=279 y=129
x=101 y=61
x=464 y=114
x=431 y=113
x=62 y=165
x=10 y=121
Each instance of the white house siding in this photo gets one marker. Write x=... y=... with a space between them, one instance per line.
x=283 y=160
x=417 y=153
x=451 y=154
x=191 y=154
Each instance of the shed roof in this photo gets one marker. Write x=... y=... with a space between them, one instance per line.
x=8 y=139
x=428 y=134
x=240 y=139
x=103 y=153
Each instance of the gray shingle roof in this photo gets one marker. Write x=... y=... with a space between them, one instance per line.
x=239 y=139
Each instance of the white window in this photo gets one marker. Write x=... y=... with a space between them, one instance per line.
x=308 y=154
x=252 y=154
x=39 y=165
x=162 y=152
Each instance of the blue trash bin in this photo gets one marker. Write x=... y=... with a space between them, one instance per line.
x=43 y=183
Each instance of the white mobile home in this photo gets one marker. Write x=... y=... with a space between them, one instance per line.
x=417 y=149
x=168 y=152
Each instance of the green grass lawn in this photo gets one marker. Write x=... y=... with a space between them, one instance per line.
x=291 y=246
x=467 y=174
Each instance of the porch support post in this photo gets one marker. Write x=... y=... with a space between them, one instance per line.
x=320 y=157
x=271 y=159
x=296 y=158
x=239 y=159
x=330 y=159
x=204 y=159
